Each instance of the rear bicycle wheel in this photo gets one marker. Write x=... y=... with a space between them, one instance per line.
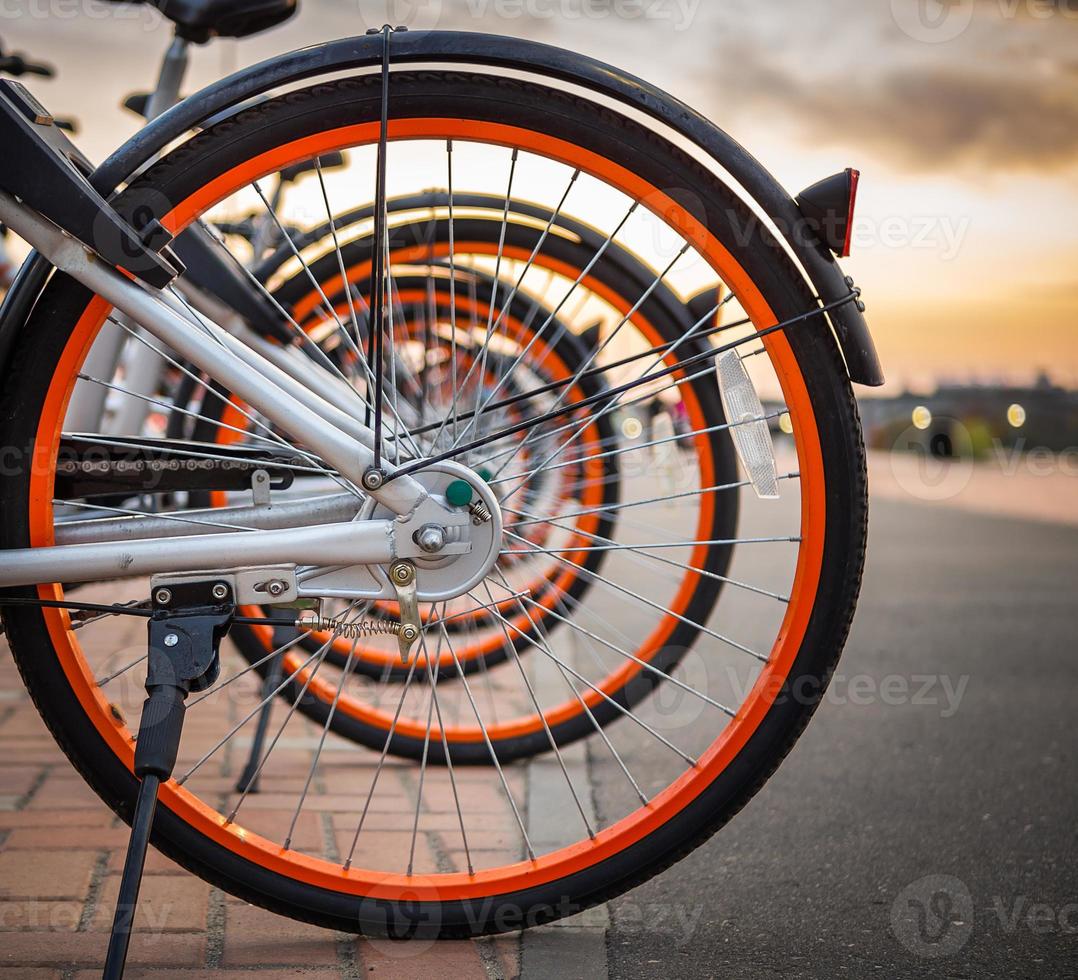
x=471 y=856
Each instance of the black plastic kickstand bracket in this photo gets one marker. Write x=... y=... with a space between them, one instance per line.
x=186 y=626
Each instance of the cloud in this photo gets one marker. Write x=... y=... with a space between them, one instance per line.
x=937 y=118
x=1001 y=96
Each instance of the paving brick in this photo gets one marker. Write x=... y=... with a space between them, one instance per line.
x=36 y=750
x=27 y=949
x=46 y=874
x=388 y=850
x=274 y=826
x=71 y=838
x=63 y=790
x=24 y=720
x=40 y=916
x=99 y=816
x=264 y=973
x=423 y=960
x=30 y=973
x=507 y=954
x=254 y=936
x=165 y=904
x=18 y=780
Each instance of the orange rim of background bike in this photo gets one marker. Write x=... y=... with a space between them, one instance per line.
x=305 y=310
x=384 y=658
x=629 y=829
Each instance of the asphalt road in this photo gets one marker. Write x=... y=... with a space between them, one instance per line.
x=926 y=824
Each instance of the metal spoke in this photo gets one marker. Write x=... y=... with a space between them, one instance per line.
x=271 y=436
x=598 y=690
x=116 y=673
x=452 y=298
x=381 y=760
x=378 y=257
x=423 y=759
x=504 y=583
x=676 y=437
x=647 y=546
x=639 y=598
x=550 y=433
x=688 y=688
x=590 y=359
x=257 y=708
x=714 y=576
x=495 y=281
x=340 y=256
x=173 y=408
x=445 y=747
x=611 y=396
x=490 y=748
x=557 y=309
x=612 y=405
x=345 y=671
x=546 y=727
x=253 y=780
x=246 y=670
x=513 y=294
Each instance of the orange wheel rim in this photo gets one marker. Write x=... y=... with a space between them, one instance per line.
x=631 y=828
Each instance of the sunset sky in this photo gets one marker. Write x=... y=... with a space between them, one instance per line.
x=963 y=120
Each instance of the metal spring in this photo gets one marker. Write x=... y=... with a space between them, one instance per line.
x=480 y=512
x=350 y=629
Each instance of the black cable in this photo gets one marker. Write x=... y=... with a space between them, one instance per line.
x=378 y=272
x=611 y=393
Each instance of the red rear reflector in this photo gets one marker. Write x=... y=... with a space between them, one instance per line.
x=855 y=176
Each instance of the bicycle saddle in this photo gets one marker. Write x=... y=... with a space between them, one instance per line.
x=199 y=20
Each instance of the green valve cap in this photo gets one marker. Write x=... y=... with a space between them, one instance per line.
x=459 y=493
x=484 y=474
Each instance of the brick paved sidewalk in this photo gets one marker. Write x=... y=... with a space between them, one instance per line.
x=61 y=852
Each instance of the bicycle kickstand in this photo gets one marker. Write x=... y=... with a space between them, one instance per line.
x=188 y=622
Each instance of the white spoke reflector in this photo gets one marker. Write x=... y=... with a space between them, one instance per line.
x=748 y=429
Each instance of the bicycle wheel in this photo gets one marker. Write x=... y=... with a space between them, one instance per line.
x=484 y=226
x=568 y=848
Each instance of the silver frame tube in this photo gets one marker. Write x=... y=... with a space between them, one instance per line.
x=240 y=369
x=289 y=513
x=353 y=543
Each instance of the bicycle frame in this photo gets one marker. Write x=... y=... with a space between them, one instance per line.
x=282 y=397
